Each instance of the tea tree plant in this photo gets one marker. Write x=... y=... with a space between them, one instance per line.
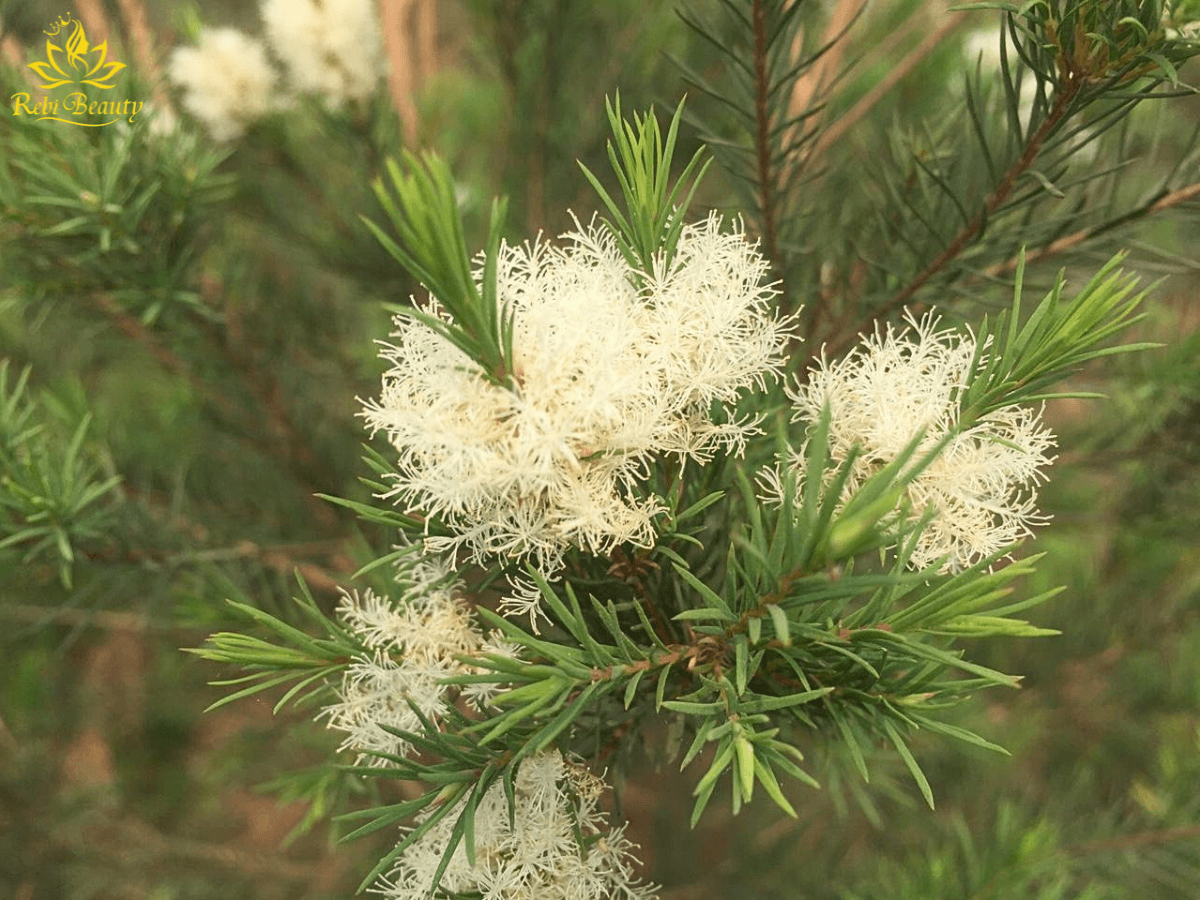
x=756 y=478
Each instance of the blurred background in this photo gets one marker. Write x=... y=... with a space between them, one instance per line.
x=204 y=332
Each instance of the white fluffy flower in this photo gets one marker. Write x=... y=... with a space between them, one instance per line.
x=981 y=488
x=330 y=47
x=536 y=856
x=226 y=80
x=412 y=647
x=612 y=368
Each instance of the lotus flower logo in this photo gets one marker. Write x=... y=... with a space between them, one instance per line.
x=76 y=62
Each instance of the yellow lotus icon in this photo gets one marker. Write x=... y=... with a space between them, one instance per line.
x=97 y=71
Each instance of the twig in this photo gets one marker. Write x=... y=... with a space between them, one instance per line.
x=134 y=14
x=884 y=86
x=395 y=16
x=1070 y=241
x=1057 y=113
x=1139 y=839
x=91 y=14
x=811 y=82
x=275 y=558
x=762 y=137
x=629 y=569
x=612 y=743
x=427 y=33
x=286 y=435
x=759 y=610
x=109 y=620
x=818 y=76
x=133 y=329
x=140 y=35
x=264 y=387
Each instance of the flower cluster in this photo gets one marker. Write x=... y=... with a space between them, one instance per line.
x=333 y=48
x=330 y=47
x=226 y=80
x=533 y=856
x=411 y=648
x=557 y=843
x=981 y=487
x=611 y=368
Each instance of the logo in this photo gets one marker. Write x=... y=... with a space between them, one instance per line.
x=76 y=63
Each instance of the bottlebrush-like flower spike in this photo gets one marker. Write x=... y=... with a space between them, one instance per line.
x=412 y=645
x=535 y=857
x=981 y=488
x=611 y=368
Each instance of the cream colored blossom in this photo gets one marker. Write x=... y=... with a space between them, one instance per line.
x=413 y=645
x=330 y=47
x=226 y=80
x=536 y=857
x=612 y=368
x=981 y=488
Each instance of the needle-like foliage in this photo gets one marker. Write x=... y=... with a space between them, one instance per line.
x=732 y=475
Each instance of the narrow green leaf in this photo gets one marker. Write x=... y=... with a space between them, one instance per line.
x=631 y=688
x=661 y=688
x=960 y=734
x=909 y=761
x=779 y=620
x=692 y=708
x=766 y=777
x=714 y=600
x=741 y=660
x=754 y=629
x=768 y=704
x=745 y=766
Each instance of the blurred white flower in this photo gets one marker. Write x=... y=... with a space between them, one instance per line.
x=612 y=367
x=981 y=488
x=163 y=121
x=330 y=47
x=536 y=857
x=226 y=80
